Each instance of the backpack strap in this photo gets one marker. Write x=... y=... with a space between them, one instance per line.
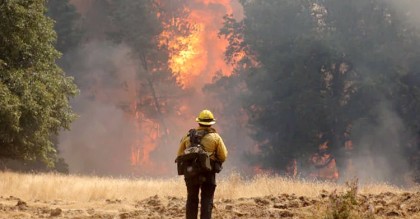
x=196 y=136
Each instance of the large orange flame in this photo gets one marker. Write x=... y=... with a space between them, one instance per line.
x=194 y=58
x=147 y=132
x=199 y=55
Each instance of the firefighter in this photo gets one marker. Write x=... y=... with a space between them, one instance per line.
x=324 y=163
x=212 y=143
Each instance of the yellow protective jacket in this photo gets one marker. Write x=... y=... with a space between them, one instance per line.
x=212 y=142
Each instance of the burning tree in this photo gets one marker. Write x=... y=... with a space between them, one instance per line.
x=173 y=52
x=170 y=43
x=141 y=31
x=293 y=69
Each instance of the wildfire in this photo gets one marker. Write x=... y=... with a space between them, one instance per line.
x=197 y=55
x=187 y=51
x=147 y=132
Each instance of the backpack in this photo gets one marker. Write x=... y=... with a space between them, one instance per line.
x=195 y=159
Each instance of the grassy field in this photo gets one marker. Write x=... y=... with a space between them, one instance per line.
x=262 y=196
x=89 y=188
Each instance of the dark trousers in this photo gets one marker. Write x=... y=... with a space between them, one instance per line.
x=207 y=184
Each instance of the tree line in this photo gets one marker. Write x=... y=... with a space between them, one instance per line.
x=346 y=69
x=303 y=68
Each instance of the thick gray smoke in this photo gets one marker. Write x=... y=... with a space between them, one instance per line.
x=380 y=148
x=101 y=140
x=408 y=9
x=382 y=154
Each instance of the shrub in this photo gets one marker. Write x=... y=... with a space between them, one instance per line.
x=344 y=205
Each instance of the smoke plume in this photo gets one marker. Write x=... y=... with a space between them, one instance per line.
x=106 y=139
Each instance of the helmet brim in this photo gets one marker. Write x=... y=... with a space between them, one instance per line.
x=205 y=123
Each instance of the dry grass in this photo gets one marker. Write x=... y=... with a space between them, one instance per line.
x=235 y=186
x=48 y=187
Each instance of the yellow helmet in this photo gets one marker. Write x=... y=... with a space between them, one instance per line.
x=206 y=118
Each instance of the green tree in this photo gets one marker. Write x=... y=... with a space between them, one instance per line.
x=322 y=67
x=66 y=24
x=280 y=35
x=34 y=90
x=381 y=46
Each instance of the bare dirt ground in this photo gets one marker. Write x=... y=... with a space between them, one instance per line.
x=384 y=205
